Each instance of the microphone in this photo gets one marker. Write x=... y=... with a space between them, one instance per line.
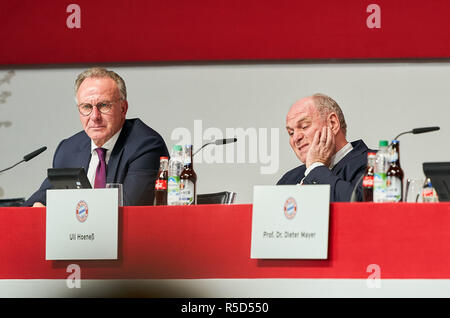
x=419 y=131
x=217 y=142
x=414 y=131
x=225 y=141
x=27 y=157
x=34 y=154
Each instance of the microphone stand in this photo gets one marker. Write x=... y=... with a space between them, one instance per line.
x=403 y=133
x=217 y=142
x=209 y=143
x=12 y=166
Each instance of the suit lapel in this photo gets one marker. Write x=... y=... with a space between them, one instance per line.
x=116 y=155
x=301 y=174
x=84 y=153
x=113 y=164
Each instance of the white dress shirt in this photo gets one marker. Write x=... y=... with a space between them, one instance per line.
x=109 y=146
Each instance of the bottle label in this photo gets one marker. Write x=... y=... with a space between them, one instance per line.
x=427 y=192
x=379 y=187
x=393 y=157
x=161 y=184
x=368 y=182
x=173 y=190
x=429 y=195
x=186 y=192
x=393 y=189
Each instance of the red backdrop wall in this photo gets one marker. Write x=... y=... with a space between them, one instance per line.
x=36 y=32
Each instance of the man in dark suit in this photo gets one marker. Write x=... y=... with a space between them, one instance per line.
x=317 y=134
x=111 y=149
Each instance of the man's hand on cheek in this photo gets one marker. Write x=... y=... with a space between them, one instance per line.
x=322 y=147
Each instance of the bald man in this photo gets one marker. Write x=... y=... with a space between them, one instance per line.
x=317 y=134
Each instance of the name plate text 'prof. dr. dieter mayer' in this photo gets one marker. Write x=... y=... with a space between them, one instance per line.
x=290 y=222
x=82 y=224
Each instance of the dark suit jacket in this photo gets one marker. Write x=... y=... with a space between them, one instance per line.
x=341 y=178
x=134 y=161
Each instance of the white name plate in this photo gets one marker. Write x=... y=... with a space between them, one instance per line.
x=290 y=222
x=82 y=224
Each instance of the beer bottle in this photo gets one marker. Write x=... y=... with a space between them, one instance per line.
x=394 y=175
x=188 y=179
x=161 y=182
x=368 y=178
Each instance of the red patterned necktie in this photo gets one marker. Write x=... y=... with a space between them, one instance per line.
x=100 y=173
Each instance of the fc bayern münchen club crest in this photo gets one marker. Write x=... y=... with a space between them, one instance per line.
x=290 y=208
x=82 y=211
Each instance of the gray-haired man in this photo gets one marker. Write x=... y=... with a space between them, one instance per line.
x=111 y=148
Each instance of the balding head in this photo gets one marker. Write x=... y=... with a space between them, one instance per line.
x=321 y=103
x=301 y=106
x=309 y=115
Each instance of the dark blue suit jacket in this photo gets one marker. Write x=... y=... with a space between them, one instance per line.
x=134 y=161
x=341 y=178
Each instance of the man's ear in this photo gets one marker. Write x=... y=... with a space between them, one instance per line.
x=333 y=123
x=124 y=107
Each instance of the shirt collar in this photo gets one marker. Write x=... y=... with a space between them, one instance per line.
x=340 y=154
x=109 y=145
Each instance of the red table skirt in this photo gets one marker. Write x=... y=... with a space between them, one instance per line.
x=405 y=240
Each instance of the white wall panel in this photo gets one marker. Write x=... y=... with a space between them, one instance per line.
x=379 y=100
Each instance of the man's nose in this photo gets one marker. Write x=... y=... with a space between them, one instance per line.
x=95 y=114
x=298 y=136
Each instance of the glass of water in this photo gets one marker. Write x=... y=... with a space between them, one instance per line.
x=413 y=192
x=119 y=187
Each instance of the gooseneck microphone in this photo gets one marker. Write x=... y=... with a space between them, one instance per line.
x=414 y=131
x=27 y=157
x=418 y=131
x=217 y=142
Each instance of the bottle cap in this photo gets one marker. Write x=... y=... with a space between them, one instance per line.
x=395 y=141
x=163 y=158
x=371 y=154
x=383 y=143
x=177 y=148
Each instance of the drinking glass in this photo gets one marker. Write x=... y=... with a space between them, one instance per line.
x=413 y=192
x=119 y=187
